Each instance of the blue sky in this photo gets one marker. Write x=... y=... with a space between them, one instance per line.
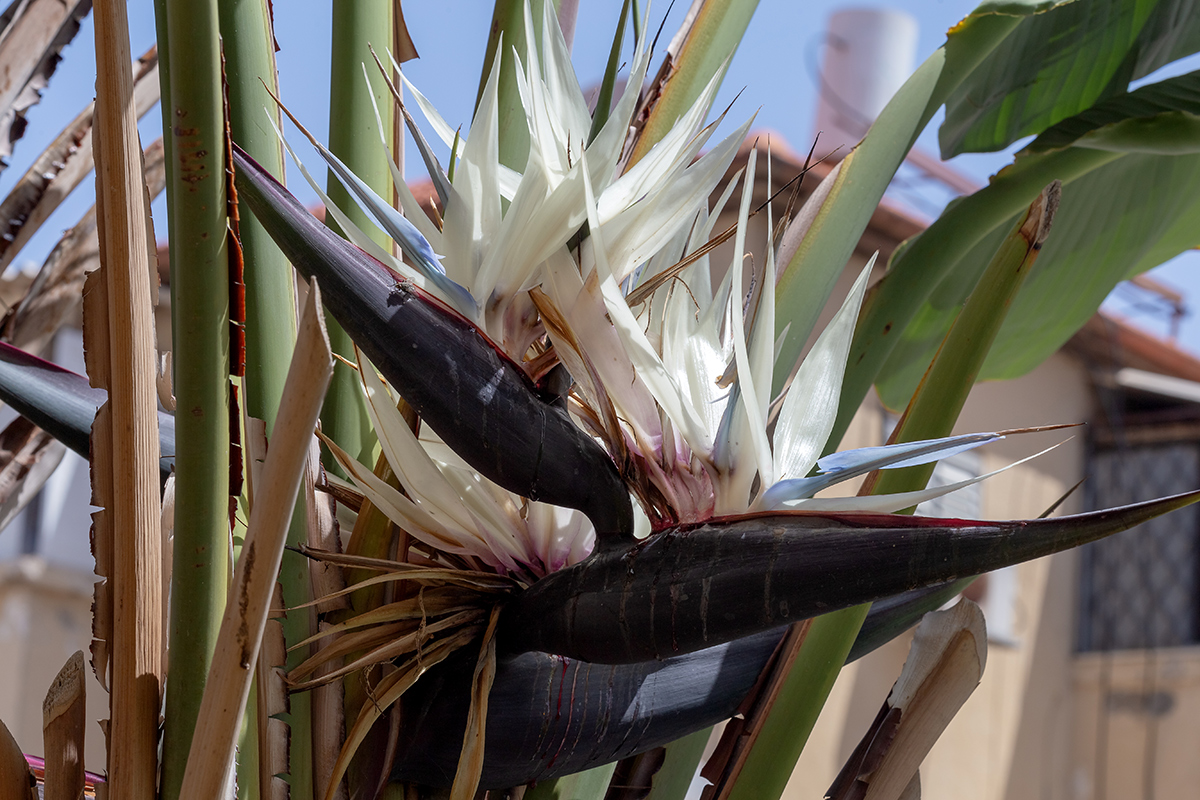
x=775 y=70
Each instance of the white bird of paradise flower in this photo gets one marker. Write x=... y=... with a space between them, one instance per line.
x=676 y=383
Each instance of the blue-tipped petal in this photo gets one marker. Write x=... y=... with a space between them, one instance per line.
x=415 y=246
x=838 y=467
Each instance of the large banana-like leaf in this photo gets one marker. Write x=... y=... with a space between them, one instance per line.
x=1060 y=62
x=684 y=590
x=476 y=399
x=1129 y=203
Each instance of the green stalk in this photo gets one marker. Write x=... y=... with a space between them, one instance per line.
x=931 y=413
x=270 y=324
x=200 y=307
x=247 y=765
x=604 y=99
x=356 y=24
x=508 y=23
x=788 y=724
x=591 y=784
x=923 y=262
x=674 y=777
x=710 y=44
x=944 y=389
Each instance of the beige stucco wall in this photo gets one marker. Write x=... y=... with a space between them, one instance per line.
x=1135 y=716
x=1013 y=737
x=45 y=616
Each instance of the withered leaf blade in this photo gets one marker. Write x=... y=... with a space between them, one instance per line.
x=28 y=457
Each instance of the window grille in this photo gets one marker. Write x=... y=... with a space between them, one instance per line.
x=1140 y=588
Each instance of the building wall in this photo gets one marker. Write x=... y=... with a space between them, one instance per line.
x=45 y=616
x=1013 y=737
x=1135 y=713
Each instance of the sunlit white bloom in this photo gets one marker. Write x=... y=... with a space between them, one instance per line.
x=671 y=373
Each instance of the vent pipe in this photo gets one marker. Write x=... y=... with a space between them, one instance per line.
x=868 y=54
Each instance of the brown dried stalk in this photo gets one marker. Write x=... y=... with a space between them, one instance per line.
x=28 y=457
x=16 y=781
x=121 y=359
x=64 y=715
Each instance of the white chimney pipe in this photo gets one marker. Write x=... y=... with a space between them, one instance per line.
x=869 y=53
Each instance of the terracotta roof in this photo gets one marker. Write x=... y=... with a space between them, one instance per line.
x=1109 y=343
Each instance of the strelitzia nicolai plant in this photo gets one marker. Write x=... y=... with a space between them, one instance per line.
x=568 y=358
x=627 y=408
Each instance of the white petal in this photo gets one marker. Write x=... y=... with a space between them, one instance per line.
x=561 y=84
x=645 y=360
x=754 y=406
x=806 y=418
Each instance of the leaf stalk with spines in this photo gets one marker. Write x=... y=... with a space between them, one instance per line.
x=200 y=307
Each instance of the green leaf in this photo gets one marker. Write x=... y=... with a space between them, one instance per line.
x=674 y=777
x=1141 y=224
x=1115 y=222
x=1058 y=63
x=943 y=388
x=1155 y=112
x=781 y=740
x=589 y=785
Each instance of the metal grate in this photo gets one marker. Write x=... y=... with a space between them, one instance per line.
x=1140 y=587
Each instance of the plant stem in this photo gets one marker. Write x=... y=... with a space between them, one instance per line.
x=200 y=307
x=931 y=413
x=126 y=431
x=508 y=23
x=782 y=736
x=356 y=24
x=270 y=320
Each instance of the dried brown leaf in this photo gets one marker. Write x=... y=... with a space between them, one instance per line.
x=62 y=166
x=29 y=52
x=64 y=717
x=388 y=692
x=28 y=457
x=470 y=763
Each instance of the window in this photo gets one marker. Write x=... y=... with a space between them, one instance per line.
x=1139 y=588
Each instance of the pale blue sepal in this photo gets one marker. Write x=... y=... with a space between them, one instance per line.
x=838 y=467
x=415 y=246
